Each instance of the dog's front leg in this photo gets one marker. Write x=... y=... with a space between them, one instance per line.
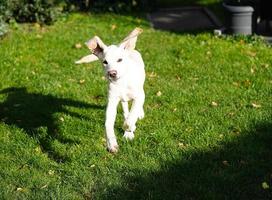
x=125 y=109
x=109 y=124
x=136 y=112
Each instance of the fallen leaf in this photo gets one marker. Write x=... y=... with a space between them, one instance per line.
x=82 y=81
x=45 y=186
x=159 y=93
x=252 y=70
x=152 y=75
x=254 y=105
x=113 y=27
x=92 y=166
x=214 y=104
x=78 y=46
x=265 y=185
x=175 y=109
x=19 y=189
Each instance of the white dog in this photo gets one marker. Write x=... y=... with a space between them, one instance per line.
x=124 y=69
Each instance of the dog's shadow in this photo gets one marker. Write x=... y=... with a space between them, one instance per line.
x=35 y=114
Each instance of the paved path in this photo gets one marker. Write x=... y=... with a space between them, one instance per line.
x=184 y=19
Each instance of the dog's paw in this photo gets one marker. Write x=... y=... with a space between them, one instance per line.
x=128 y=135
x=112 y=146
x=128 y=126
x=113 y=149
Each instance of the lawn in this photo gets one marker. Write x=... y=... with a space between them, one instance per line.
x=206 y=133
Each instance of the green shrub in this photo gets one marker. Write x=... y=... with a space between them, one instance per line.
x=3 y=27
x=116 y=6
x=41 y=11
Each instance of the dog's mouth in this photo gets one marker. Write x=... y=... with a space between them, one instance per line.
x=113 y=79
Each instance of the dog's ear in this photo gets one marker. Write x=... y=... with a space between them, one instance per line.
x=87 y=59
x=96 y=46
x=129 y=42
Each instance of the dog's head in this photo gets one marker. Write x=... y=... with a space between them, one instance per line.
x=114 y=57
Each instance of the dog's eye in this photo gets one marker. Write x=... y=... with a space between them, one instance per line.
x=119 y=60
x=105 y=62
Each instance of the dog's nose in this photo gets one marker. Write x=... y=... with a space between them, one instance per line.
x=112 y=73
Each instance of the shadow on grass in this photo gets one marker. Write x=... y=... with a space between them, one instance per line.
x=34 y=113
x=234 y=170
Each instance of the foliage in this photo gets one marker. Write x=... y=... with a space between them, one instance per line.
x=41 y=11
x=3 y=27
x=116 y=6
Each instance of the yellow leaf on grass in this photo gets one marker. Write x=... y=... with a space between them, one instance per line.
x=152 y=75
x=159 y=93
x=78 y=46
x=82 y=81
x=45 y=186
x=254 y=105
x=214 y=104
x=19 y=189
x=113 y=27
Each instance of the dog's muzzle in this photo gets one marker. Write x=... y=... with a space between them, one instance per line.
x=112 y=74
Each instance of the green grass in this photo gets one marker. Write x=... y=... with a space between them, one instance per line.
x=207 y=136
